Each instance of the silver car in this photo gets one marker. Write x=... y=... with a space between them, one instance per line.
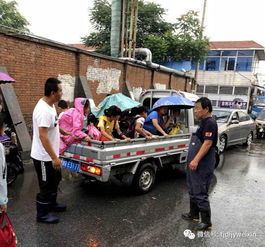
x=234 y=127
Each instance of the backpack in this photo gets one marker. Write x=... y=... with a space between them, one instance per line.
x=128 y=127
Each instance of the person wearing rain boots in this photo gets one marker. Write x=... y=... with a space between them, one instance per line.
x=45 y=152
x=200 y=165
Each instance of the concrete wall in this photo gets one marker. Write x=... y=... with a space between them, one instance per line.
x=31 y=61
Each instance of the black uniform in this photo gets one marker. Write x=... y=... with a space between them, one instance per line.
x=199 y=180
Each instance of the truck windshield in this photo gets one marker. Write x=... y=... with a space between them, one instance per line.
x=221 y=116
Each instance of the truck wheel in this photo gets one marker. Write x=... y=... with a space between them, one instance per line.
x=144 y=179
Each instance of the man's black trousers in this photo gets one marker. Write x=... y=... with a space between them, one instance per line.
x=49 y=180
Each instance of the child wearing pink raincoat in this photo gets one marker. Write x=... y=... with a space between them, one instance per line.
x=72 y=121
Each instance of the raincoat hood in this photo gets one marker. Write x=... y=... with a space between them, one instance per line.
x=80 y=103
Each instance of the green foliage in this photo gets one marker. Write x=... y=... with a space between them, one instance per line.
x=151 y=22
x=180 y=41
x=159 y=46
x=10 y=17
x=188 y=42
x=100 y=15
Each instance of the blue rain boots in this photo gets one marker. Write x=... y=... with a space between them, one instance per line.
x=43 y=215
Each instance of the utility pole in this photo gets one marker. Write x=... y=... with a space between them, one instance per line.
x=123 y=19
x=203 y=14
x=129 y=27
x=202 y=27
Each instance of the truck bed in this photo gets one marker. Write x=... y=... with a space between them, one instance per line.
x=105 y=153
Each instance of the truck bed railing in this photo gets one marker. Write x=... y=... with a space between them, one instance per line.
x=114 y=152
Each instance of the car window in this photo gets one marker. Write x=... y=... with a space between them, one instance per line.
x=221 y=116
x=235 y=116
x=243 y=116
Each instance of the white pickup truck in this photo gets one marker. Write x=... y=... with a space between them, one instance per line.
x=134 y=163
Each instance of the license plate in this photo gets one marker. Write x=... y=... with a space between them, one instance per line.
x=71 y=165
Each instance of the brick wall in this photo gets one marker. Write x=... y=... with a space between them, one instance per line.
x=31 y=61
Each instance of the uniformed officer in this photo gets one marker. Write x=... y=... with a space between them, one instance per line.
x=200 y=164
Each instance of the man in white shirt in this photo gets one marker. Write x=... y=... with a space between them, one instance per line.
x=45 y=152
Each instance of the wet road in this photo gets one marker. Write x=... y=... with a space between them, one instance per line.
x=110 y=216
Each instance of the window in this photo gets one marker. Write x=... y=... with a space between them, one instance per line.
x=245 y=53
x=235 y=117
x=200 y=89
x=226 y=90
x=244 y=64
x=211 y=89
x=243 y=116
x=227 y=63
x=201 y=66
x=221 y=116
x=231 y=63
x=214 y=102
x=214 y=53
x=212 y=64
x=229 y=53
x=241 y=91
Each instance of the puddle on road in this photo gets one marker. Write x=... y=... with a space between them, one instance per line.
x=256 y=149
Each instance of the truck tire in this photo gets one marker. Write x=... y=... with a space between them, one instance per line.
x=144 y=179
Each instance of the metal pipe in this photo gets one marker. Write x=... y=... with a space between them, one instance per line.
x=115 y=27
x=157 y=67
x=146 y=52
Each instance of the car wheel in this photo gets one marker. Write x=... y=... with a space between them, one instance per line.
x=249 y=139
x=222 y=143
x=144 y=179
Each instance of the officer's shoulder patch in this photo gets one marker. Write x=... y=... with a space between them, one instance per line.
x=208 y=134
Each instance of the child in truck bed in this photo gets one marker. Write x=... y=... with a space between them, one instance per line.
x=139 y=119
x=109 y=122
x=72 y=121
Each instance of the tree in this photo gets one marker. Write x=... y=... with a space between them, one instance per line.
x=188 y=43
x=180 y=41
x=10 y=17
x=150 y=22
x=158 y=45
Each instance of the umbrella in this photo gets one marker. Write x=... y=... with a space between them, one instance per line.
x=120 y=100
x=173 y=101
x=4 y=78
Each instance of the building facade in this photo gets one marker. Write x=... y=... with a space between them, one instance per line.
x=229 y=73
